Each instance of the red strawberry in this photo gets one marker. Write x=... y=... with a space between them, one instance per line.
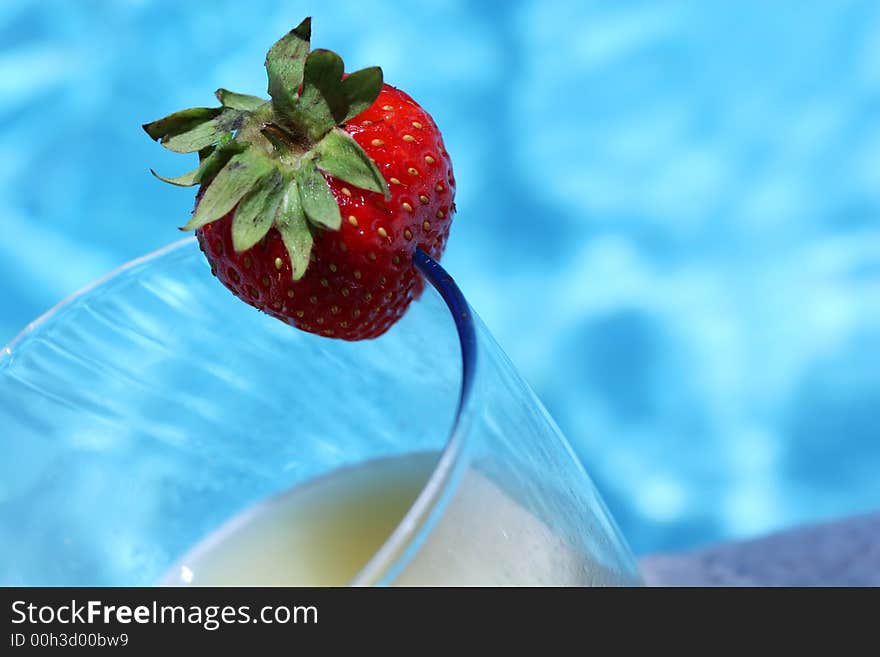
x=313 y=203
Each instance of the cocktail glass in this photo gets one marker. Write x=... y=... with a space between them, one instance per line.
x=145 y=419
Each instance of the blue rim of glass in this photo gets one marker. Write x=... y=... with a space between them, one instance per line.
x=390 y=560
x=414 y=528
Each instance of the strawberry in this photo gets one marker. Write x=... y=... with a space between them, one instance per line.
x=312 y=204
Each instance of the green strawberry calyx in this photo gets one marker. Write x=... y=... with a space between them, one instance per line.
x=266 y=158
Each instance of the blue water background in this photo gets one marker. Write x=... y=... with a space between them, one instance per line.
x=668 y=213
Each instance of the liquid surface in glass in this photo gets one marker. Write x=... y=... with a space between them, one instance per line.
x=323 y=533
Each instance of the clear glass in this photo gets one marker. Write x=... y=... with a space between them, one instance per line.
x=150 y=409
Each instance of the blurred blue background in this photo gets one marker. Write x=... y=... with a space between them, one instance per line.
x=668 y=213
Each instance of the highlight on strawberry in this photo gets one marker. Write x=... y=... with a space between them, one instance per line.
x=311 y=204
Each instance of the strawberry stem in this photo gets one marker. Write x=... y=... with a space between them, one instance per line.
x=266 y=160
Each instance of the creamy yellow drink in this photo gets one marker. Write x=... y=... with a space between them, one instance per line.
x=324 y=532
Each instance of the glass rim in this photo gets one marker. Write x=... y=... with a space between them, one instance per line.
x=392 y=557
x=413 y=529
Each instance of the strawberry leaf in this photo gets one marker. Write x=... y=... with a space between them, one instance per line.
x=266 y=160
x=342 y=157
x=290 y=220
x=210 y=165
x=180 y=122
x=196 y=139
x=361 y=89
x=228 y=187
x=322 y=103
x=318 y=201
x=284 y=66
x=327 y=100
x=251 y=221
x=187 y=179
x=205 y=134
x=236 y=101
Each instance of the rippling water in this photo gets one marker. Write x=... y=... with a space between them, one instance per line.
x=668 y=213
